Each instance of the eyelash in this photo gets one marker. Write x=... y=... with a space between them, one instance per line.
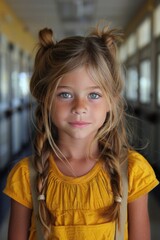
x=67 y=95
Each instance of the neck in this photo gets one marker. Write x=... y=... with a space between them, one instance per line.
x=78 y=149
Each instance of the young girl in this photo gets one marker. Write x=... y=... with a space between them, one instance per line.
x=80 y=145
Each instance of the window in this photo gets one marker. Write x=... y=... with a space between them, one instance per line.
x=24 y=75
x=144 y=33
x=132 y=84
x=123 y=53
x=131 y=44
x=158 y=88
x=156 y=20
x=145 y=81
x=4 y=71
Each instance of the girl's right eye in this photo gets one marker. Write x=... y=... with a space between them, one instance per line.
x=65 y=95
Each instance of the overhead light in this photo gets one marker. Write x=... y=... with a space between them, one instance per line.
x=75 y=10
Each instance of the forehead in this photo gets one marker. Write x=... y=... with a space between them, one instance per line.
x=78 y=77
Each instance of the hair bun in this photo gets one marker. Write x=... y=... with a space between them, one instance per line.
x=109 y=36
x=46 y=37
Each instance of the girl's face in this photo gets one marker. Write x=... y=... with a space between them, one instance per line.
x=80 y=106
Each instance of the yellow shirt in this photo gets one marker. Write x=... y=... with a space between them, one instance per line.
x=76 y=203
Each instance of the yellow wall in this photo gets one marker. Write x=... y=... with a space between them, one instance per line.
x=14 y=29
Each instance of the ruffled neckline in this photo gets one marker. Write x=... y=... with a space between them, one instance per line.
x=81 y=179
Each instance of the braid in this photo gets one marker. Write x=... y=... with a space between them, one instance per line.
x=113 y=168
x=114 y=152
x=110 y=155
x=41 y=163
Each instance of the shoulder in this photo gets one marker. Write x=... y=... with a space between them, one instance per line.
x=23 y=163
x=20 y=168
x=18 y=183
x=137 y=162
x=141 y=176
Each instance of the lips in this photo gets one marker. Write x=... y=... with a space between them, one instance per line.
x=79 y=124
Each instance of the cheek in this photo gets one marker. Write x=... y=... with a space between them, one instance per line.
x=104 y=117
x=61 y=106
x=59 y=112
x=99 y=113
x=107 y=106
x=104 y=108
x=57 y=120
x=55 y=114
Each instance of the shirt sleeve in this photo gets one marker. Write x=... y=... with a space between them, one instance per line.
x=18 y=184
x=141 y=176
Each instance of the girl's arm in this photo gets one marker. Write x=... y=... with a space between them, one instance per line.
x=138 y=219
x=19 y=223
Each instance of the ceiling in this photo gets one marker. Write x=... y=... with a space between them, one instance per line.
x=73 y=17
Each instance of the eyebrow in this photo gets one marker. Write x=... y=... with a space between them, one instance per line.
x=92 y=87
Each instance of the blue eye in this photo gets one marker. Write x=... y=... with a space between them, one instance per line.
x=65 y=95
x=94 y=95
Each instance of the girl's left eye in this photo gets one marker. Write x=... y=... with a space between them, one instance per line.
x=94 y=95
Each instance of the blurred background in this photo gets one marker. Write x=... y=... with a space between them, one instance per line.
x=20 y=21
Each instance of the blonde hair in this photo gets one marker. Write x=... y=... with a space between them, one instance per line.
x=98 y=52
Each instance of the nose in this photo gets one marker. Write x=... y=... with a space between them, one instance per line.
x=79 y=107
